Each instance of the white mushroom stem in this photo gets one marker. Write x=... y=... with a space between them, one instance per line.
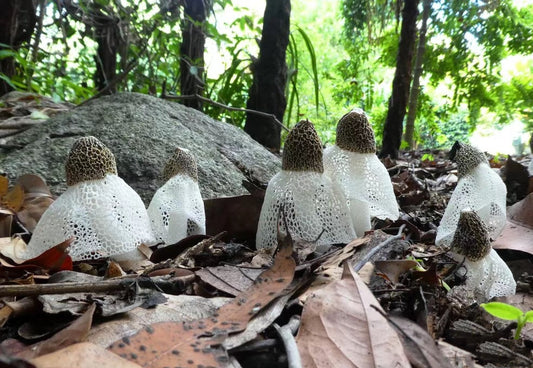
x=177 y=210
x=366 y=184
x=489 y=277
x=481 y=190
x=105 y=216
x=311 y=208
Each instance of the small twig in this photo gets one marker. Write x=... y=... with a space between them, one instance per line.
x=377 y=248
x=226 y=107
x=81 y=287
x=293 y=356
x=19 y=124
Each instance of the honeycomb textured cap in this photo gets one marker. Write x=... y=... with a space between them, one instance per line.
x=89 y=159
x=467 y=157
x=303 y=150
x=355 y=134
x=471 y=238
x=181 y=162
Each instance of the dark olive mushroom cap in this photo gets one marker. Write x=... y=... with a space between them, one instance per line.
x=89 y=159
x=303 y=150
x=466 y=157
x=181 y=162
x=471 y=238
x=355 y=134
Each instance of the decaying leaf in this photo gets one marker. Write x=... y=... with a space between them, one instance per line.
x=341 y=328
x=54 y=259
x=518 y=232
x=174 y=344
x=230 y=279
x=13 y=199
x=419 y=345
x=82 y=355
x=76 y=332
x=394 y=268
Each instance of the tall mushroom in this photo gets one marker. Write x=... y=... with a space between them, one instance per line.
x=313 y=209
x=103 y=213
x=478 y=188
x=353 y=165
x=177 y=210
x=487 y=275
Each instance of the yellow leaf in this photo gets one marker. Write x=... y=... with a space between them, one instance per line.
x=4 y=182
x=14 y=198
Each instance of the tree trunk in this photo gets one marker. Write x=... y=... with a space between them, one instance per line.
x=415 y=88
x=392 y=133
x=192 y=51
x=108 y=38
x=17 y=21
x=267 y=93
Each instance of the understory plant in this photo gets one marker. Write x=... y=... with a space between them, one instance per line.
x=509 y=313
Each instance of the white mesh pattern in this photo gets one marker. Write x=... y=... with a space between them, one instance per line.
x=489 y=277
x=106 y=217
x=177 y=210
x=310 y=205
x=482 y=191
x=530 y=167
x=364 y=180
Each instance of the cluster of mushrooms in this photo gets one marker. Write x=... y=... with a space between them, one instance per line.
x=322 y=197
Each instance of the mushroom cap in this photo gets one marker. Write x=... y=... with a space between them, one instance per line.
x=302 y=150
x=471 y=238
x=355 y=134
x=467 y=157
x=105 y=216
x=364 y=180
x=181 y=162
x=177 y=210
x=89 y=159
x=310 y=204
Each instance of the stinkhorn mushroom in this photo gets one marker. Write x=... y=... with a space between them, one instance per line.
x=478 y=188
x=303 y=197
x=105 y=215
x=177 y=210
x=487 y=275
x=352 y=164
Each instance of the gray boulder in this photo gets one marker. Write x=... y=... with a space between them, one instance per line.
x=142 y=131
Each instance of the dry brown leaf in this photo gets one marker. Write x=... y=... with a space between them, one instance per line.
x=228 y=278
x=394 y=268
x=6 y=219
x=13 y=248
x=183 y=344
x=419 y=345
x=4 y=185
x=341 y=328
x=14 y=198
x=82 y=355
x=76 y=332
x=31 y=211
x=518 y=232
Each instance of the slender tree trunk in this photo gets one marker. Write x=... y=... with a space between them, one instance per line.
x=17 y=22
x=267 y=93
x=415 y=88
x=392 y=133
x=192 y=51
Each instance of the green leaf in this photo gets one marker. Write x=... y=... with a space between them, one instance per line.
x=503 y=311
x=529 y=316
x=312 y=54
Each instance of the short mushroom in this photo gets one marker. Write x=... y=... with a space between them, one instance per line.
x=105 y=215
x=306 y=198
x=478 y=188
x=487 y=275
x=353 y=165
x=177 y=210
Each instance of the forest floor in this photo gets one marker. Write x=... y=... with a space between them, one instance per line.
x=215 y=301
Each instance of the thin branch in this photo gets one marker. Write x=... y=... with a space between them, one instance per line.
x=86 y=287
x=226 y=107
x=293 y=356
x=377 y=248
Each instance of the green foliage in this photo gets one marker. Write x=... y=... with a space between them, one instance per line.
x=510 y=313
